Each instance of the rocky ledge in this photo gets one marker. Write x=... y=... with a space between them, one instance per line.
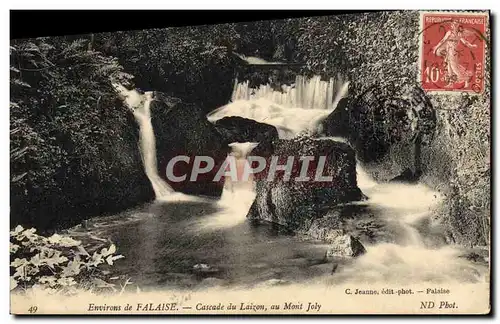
x=300 y=205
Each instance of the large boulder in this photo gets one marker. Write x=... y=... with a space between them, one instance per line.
x=388 y=128
x=295 y=204
x=239 y=129
x=327 y=228
x=182 y=129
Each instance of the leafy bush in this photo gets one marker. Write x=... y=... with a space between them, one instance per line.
x=56 y=263
x=192 y=63
x=73 y=144
x=196 y=63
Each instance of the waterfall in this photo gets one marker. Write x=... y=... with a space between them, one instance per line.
x=409 y=258
x=404 y=257
x=141 y=108
x=238 y=189
x=297 y=108
x=237 y=196
x=305 y=93
x=148 y=147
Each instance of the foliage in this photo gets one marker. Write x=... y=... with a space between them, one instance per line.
x=384 y=107
x=196 y=63
x=73 y=144
x=362 y=47
x=465 y=133
x=70 y=135
x=193 y=62
x=273 y=40
x=56 y=263
x=321 y=43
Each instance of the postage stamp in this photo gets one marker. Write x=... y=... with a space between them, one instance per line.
x=452 y=51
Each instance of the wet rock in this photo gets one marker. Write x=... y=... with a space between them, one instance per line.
x=182 y=129
x=238 y=129
x=345 y=246
x=389 y=127
x=296 y=204
x=381 y=115
x=473 y=257
x=327 y=228
x=476 y=256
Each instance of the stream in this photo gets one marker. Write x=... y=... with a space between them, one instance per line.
x=181 y=241
x=197 y=243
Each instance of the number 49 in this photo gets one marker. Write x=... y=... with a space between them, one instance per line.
x=33 y=309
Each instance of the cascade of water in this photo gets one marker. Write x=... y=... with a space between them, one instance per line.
x=141 y=108
x=237 y=195
x=298 y=108
x=234 y=189
x=305 y=93
x=406 y=204
x=295 y=109
x=148 y=147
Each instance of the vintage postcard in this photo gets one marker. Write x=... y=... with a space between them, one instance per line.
x=334 y=164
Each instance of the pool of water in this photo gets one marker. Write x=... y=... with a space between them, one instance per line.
x=192 y=242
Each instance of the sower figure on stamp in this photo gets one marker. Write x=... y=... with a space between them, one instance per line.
x=448 y=49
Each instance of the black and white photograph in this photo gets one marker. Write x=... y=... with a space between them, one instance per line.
x=274 y=163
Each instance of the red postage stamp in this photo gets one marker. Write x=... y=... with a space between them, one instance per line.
x=452 y=51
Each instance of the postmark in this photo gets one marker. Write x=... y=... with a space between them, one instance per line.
x=452 y=51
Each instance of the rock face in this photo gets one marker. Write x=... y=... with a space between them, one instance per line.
x=238 y=129
x=387 y=127
x=327 y=228
x=295 y=204
x=182 y=129
x=345 y=246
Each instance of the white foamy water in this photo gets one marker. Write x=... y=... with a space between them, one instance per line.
x=297 y=108
x=148 y=148
x=255 y=60
x=141 y=108
x=409 y=260
x=237 y=196
x=236 y=191
x=365 y=181
x=300 y=108
x=234 y=204
x=305 y=93
x=396 y=264
x=408 y=197
x=401 y=205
